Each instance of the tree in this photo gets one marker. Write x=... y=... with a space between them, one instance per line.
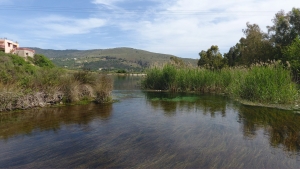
x=295 y=22
x=203 y=61
x=285 y=29
x=212 y=59
x=234 y=55
x=177 y=61
x=255 y=47
x=292 y=55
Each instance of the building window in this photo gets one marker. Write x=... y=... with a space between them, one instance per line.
x=26 y=54
x=8 y=44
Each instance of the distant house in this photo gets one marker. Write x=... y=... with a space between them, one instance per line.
x=25 y=52
x=8 y=46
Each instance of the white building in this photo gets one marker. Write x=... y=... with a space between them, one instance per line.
x=8 y=46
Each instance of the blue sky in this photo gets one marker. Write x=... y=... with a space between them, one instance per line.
x=178 y=27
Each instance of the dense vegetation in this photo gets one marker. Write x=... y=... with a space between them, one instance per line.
x=256 y=69
x=260 y=83
x=131 y=60
x=36 y=82
x=281 y=42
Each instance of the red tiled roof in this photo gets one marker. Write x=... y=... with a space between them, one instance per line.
x=26 y=49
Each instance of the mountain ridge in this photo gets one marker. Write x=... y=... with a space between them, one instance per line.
x=129 y=59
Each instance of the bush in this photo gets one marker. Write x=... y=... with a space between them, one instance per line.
x=42 y=61
x=23 y=85
x=121 y=71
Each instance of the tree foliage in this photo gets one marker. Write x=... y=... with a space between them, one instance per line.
x=292 y=55
x=212 y=58
x=281 y=42
x=234 y=55
x=285 y=29
x=177 y=61
x=255 y=47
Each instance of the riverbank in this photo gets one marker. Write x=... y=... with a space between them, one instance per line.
x=24 y=84
x=260 y=84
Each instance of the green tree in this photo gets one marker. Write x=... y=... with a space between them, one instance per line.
x=255 y=47
x=177 y=61
x=292 y=55
x=212 y=58
x=203 y=61
x=234 y=55
x=295 y=22
x=285 y=29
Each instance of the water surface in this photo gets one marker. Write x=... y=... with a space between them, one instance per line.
x=151 y=130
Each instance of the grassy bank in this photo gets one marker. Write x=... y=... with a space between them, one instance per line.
x=271 y=84
x=36 y=82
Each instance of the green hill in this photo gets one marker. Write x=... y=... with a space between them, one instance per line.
x=128 y=59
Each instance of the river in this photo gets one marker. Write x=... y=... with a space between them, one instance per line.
x=151 y=130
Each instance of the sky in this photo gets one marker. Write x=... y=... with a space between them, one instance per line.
x=178 y=27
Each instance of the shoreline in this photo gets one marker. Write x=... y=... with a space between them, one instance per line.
x=43 y=100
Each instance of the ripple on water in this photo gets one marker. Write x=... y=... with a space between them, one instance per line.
x=152 y=130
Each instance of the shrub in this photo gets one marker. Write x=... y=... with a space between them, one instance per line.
x=121 y=71
x=85 y=77
x=23 y=85
x=42 y=61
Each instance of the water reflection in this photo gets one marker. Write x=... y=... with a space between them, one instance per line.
x=174 y=102
x=282 y=127
x=24 y=122
x=126 y=82
x=151 y=130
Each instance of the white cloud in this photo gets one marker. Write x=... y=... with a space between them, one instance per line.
x=58 y=25
x=110 y=4
x=189 y=26
x=105 y=2
x=178 y=27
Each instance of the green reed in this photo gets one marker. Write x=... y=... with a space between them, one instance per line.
x=259 y=83
x=269 y=83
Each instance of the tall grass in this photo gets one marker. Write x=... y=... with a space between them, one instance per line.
x=172 y=78
x=260 y=83
x=269 y=83
x=86 y=85
x=24 y=85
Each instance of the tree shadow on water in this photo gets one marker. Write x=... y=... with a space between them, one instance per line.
x=47 y=119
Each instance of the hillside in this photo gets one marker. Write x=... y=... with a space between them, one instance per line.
x=107 y=59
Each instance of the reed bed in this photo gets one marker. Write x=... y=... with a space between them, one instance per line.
x=264 y=83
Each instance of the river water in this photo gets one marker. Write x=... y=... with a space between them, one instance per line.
x=151 y=130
